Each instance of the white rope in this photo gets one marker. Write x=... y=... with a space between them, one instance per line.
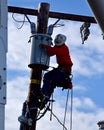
x=66 y=109
x=71 y=109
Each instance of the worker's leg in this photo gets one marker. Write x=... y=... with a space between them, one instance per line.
x=48 y=84
x=51 y=80
x=62 y=79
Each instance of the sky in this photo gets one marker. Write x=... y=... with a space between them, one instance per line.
x=88 y=69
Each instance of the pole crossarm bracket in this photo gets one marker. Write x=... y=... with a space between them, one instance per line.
x=58 y=15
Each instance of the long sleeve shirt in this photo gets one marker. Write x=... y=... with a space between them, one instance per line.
x=62 y=56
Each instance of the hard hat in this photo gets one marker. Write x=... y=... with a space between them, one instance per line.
x=60 y=39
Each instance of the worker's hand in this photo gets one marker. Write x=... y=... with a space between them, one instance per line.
x=42 y=45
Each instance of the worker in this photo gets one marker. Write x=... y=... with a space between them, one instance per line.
x=59 y=76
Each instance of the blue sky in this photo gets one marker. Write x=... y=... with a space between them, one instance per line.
x=88 y=68
x=72 y=6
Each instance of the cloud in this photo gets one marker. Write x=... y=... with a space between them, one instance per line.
x=18 y=47
x=16 y=95
x=84 y=103
x=80 y=88
x=87 y=58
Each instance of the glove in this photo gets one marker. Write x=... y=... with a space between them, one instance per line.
x=42 y=45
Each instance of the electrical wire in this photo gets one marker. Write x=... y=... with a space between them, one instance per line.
x=58 y=119
x=71 y=109
x=19 y=21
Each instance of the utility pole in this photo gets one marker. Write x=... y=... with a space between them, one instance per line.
x=3 y=52
x=36 y=69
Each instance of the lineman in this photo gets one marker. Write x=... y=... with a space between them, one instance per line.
x=58 y=76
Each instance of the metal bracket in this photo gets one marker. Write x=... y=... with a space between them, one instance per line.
x=0 y=82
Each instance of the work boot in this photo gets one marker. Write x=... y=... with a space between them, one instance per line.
x=43 y=101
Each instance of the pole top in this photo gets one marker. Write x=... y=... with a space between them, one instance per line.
x=43 y=4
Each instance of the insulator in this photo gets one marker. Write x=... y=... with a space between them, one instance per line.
x=50 y=29
x=33 y=28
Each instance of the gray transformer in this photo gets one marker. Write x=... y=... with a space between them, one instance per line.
x=39 y=56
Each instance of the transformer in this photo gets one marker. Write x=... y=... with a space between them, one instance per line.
x=39 y=56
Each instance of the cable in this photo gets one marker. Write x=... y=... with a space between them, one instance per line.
x=71 y=109
x=42 y=114
x=58 y=119
x=57 y=25
x=27 y=18
x=23 y=21
x=66 y=108
x=51 y=108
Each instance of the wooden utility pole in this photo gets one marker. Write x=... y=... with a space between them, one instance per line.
x=36 y=70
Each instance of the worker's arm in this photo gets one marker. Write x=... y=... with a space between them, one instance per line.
x=50 y=50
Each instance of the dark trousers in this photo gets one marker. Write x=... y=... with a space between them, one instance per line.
x=54 y=78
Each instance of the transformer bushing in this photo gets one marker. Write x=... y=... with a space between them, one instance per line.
x=39 y=56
